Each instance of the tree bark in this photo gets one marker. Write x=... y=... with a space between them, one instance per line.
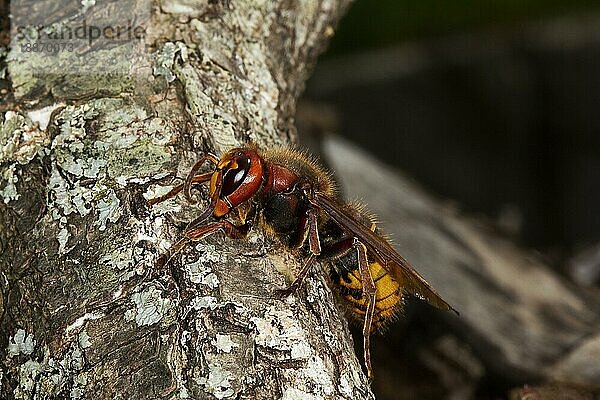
x=86 y=312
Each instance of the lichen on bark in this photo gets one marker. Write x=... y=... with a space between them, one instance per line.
x=86 y=309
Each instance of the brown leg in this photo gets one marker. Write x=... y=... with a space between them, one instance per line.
x=173 y=192
x=231 y=230
x=369 y=290
x=314 y=246
x=197 y=234
x=190 y=178
x=338 y=249
x=196 y=223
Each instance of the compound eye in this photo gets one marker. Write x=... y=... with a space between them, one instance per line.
x=235 y=176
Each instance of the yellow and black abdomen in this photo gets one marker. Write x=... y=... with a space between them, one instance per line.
x=342 y=257
x=346 y=278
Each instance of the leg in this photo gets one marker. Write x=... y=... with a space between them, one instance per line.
x=197 y=234
x=314 y=246
x=198 y=221
x=173 y=192
x=369 y=291
x=190 y=178
x=231 y=230
x=338 y=249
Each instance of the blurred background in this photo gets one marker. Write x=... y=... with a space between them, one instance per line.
x=494 y=106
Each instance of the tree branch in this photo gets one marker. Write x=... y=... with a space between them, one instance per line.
x=86 y=310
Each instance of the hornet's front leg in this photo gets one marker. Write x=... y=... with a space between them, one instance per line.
x=202 y=178
x=196 y=234
x=311 y=233
x=190 y=180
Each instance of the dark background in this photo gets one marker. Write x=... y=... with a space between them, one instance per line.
x=494 y=106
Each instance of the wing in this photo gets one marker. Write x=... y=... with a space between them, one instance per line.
x=394 y=263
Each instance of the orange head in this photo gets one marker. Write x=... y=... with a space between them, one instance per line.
x=238 y=177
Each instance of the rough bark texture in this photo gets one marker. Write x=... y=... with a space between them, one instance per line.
x=519 y=320
x=85 y=311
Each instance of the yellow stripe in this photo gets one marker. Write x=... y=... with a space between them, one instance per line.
x=388 y=295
